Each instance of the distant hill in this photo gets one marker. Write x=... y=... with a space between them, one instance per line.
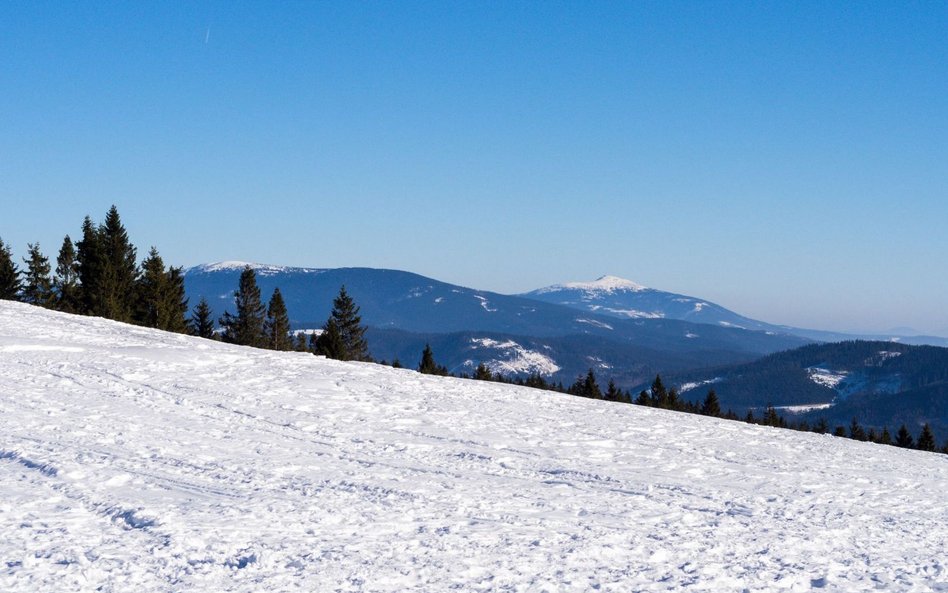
x=619 y=298
x=413 y=304
x=880 y=383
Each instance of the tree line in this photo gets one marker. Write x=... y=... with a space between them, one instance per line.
x=99 y=275
x=669 y=398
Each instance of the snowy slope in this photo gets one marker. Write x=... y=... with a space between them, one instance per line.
x=133 y=460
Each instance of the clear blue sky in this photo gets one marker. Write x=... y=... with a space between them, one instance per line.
x=787 y=160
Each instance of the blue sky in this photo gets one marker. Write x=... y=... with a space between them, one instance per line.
x=786 y=160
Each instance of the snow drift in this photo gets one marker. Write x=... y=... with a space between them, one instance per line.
x=135 y=460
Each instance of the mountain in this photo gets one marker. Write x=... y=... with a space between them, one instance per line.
x=624 y=299
x=880 y=383
x=413 y=304
x=137 y=460
x=619 y=298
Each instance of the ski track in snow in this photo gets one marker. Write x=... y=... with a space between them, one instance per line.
x=134 y=460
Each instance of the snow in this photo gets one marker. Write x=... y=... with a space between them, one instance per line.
x=804 y=408
x=595 y=322
x=484 y=303
x=637 y=314
x=826 y=377
x=685 y=387
x=135 y=460
x=518 y=360
x=260 y=269
x=605 y=284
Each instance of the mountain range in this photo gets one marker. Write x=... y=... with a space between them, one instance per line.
x=615 y=297
x=469 y=326
x=879 y=383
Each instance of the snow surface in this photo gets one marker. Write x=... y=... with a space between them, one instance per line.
x=605 y=284
x=260 y=269
x=518 y=360
x=135 y=460
x=826 y=377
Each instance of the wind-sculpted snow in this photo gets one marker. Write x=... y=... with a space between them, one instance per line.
x=133 y=460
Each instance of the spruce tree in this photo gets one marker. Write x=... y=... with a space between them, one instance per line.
x=428 y=366
x=9 y=274
x=299 y=342
x=643 y=399
x=821 y=427
x=38 y=285
x=659 y=396
x=885 y=438
x=66 y=282
x=771 y=418
x=711 y=405
x=151 y=304
x=856 y=432
x=176 y=301
x=926 y=440
x=482 y=373
x=904 y=438
x=90 y=260
x=329 y=343
x=246 y=327
x=202 y=320
x=348 y=323
x=120 y=271
x=277 y=326
x=613 y=393
x=590 y=387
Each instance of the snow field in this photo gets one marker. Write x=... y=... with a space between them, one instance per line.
x=135 y=460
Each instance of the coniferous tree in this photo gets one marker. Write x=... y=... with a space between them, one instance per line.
x=202 y=320
x=659 y=396
x=926 y=440
x=749 y=418
x=299 y=342
x=711 y=405
x=9 y=274
x=246 y=327
x=613 y=393
x=90 y=260
x=329 y=343
x=428 y=366
x=38 y=285
x=176 y=301
x=120 y=269
x=822 y=426
x=586 y=386
x=348 y=322
x=643 y=399
x=66 y=282
x=672 y=402
x=396 y=364
x=771 y=418
x=840 y=431
x=856 y=432
x=885 y=438
x=482 y=373
x=277 y=325
x=904 y=438
x=151 y=303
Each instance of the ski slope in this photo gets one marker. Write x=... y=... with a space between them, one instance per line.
x=135 y=460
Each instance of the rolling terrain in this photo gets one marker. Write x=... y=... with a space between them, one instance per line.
x=137 y=460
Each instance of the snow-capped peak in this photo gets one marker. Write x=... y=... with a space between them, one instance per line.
x=261 y=269
x=604 y=284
